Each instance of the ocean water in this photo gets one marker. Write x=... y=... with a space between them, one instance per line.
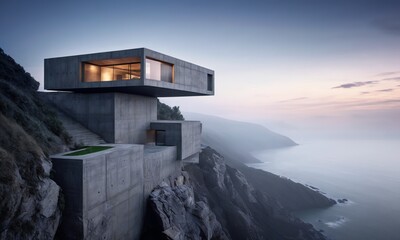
x=366 y=172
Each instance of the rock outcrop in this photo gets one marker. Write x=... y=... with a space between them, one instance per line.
x=173 y=213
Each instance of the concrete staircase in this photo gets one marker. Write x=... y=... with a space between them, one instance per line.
x=80 y=134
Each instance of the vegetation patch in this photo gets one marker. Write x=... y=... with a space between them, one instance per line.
x=165 y=112
x=88 y=150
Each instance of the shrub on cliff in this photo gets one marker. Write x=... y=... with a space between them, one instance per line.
x=166 y=112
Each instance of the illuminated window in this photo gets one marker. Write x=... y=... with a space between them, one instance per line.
x=102 y=72
x=106 y=73
x=91 y=72
x=156 y=70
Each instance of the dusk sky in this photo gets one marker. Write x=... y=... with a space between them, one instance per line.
x=297 y=64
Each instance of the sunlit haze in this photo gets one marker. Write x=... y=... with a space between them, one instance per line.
x=323 y=66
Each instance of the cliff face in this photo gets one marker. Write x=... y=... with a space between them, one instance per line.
x=220 y=203
x=29 y=199
x=244 y=211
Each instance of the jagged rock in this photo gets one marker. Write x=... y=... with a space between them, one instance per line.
x=29 y=216
x=47 y=166
x=176 y=215
x=48 y=192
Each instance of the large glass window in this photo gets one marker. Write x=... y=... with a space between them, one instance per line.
x=103 y=73
x=156 y=70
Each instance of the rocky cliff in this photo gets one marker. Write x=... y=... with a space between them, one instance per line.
x=220 y=203
x=29 y=132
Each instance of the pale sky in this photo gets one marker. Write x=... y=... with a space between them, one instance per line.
x=293 y=63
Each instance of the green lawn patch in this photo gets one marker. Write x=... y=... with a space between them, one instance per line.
x=88 y=150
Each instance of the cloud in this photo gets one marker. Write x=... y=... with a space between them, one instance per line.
x=360 y=84
x=363 y=93
x=387 y=73
x=391 y=79
x=385 y=90
x=293 y=99
x=355 y=84
x=374 y=103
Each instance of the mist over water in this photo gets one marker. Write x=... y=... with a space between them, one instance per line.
x=364 y=171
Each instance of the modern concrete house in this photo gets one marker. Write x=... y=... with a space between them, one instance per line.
x=139 y=71
x=113 y=95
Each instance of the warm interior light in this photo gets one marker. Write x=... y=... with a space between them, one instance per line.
x=92 y=68
x=111 y=72
x=106 y=74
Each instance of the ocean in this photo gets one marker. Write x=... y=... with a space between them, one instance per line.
x=365 y=172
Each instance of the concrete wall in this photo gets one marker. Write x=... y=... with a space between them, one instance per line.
x=106 y=192
x=103 y=193
x=64 y=73
x=186 y=74
x=133 y=115
x=116 y=117
x=159 y=164
x=186 y=135
x=191 y=138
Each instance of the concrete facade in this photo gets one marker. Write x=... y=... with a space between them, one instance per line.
x=65 y=74
x=101 y=189
x=186 y=135
x=116 y=117
x=159 y=164
x=105 y=192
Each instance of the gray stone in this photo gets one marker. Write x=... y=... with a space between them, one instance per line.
x=176 y=215
x=49 y=193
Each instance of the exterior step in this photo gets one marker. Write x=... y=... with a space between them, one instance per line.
x=80 y=134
